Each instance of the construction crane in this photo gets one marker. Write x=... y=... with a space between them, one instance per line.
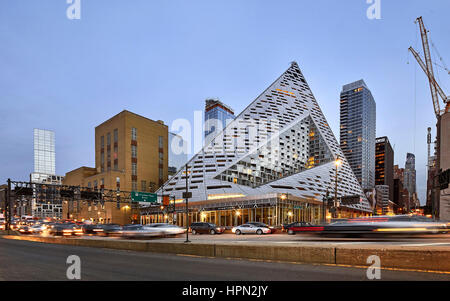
x=427 y=67
x=429 y=151
x=443 y=122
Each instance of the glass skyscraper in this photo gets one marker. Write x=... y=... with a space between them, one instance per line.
x=217 y=115
x=358 y=131
x=44 y=152
x=410 y=173
x=44 y=173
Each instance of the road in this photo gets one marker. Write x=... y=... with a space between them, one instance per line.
x=22 y=260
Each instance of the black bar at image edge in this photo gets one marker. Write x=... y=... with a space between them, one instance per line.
x=217 y=290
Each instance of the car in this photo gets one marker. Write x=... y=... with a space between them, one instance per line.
x=167 y=229
x=25 y=230
x=38 y=228
x=386 y=225
x=259 y=224
x=206 y=228
x=250 y=229
x=132 y=227
x=62 y=229
x=303 y=227
x=141 y=231
x=77 y=230
x=285 y=227
x=91 y=228
x=109 y=230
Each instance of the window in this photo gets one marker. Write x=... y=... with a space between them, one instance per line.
x=133 y=151
x=133 y=134
x=161 y=141
x=102 y=164
x=108 y=155
x=116 y=136
x=144 y=186
x=134 y=186
x=102 y=141
x=108 y=139
x=134 y=169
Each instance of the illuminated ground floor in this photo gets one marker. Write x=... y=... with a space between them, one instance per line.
x=272 y=209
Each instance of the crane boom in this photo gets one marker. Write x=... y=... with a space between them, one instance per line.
x=429 y=66
x=430 y=78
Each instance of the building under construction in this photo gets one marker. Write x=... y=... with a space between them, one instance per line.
x=439 y=190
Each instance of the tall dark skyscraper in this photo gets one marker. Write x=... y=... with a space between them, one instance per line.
x=358 y=131
x=384 y=165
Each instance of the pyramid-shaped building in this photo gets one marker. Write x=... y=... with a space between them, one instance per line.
x=281 y=143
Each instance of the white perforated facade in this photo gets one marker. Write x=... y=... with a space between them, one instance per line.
x=280 y=143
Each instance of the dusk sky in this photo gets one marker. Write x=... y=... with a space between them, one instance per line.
x=162 y=58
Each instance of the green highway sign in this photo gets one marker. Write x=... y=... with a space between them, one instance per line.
x=145 y=197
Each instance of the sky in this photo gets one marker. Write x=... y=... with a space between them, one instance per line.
x=163 y=58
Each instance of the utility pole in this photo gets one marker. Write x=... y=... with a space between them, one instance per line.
x=8 y=207
x=186 y=196
x=324 y=206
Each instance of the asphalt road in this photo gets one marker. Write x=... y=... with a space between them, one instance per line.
x=22 y=260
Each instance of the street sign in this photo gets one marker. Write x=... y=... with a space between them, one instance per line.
x=145 y=197
x=350 y=200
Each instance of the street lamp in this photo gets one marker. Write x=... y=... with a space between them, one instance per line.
x=238 y=213
x=337 y=163
x=162 y=213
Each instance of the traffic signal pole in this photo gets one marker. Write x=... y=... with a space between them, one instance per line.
x=187 y=208
x=8 y=207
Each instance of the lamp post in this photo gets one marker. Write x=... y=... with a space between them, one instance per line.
x=238 y=214
x=285 y=197
x=324 y=207
x=173 y=212
x=337 y=163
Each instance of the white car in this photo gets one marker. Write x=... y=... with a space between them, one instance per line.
x=141 y=231
x=37 y=229
x=250 y=229
x=167 y=229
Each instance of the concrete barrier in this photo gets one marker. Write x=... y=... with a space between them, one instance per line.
x=411 y=258
x=305 y=254
x=9 y=232
x=436 y=259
